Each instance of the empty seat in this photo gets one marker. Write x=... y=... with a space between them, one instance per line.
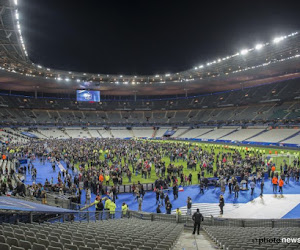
x=53 y=248
x=53 y=238
x=57 y=244
x=37 y=246
x=12 y=241
x=71 y=247
x=4 y=246
x=2 y=239
x=44 y=242
x=66 y=241
x=20 y=236
x=85 y=248
x=16 y=248
x=41 y=236
x=25 y=244
x=31 y=239
x=93 y=245
x=107 y=247
x=8 y=234
x=78 y=243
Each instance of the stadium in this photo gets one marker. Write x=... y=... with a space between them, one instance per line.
x=200 y=157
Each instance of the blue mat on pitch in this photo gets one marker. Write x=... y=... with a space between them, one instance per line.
x=149 y=203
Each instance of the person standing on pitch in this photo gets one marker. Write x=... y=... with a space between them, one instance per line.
x=221 y=203
x=262 y=187
x=197 y=218
x=189 y=206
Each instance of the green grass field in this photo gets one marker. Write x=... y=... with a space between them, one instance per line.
x=217 y=148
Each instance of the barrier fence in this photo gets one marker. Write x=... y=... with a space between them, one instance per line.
x=15 y=217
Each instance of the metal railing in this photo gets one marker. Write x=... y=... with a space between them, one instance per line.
x=15 y=217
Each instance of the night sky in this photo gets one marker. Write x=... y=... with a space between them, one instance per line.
x=148 y=37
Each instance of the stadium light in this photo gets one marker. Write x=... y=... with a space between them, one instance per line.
x=78 y=80
x=17 y=15
x=219 y=60
x=16 y=2
x=39 y=66
x=244 y=51
x=278 y=39
x=157 y=76
x=58 y=79
x=258 y=46
x=121 y=76
x=67 y=79
x=196 y=68
x=48 y=69
x=167 y=74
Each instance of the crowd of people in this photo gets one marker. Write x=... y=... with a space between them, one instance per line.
x=103 y=164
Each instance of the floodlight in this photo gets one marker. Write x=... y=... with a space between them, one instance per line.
x=258 y=46
x=67 y=79
x=16 y=2
x=201 y=66
x=156 y=75
x=39 y=66
x=278 y=39
x=196 y=68
x=78 y=80
x=244 y=51
x=167 y=74
x=59 y=79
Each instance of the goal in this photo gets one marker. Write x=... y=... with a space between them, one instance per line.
x=280 y=159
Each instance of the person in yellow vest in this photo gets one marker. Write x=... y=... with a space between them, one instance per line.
x=124 y=210
x=178 y=211
x=107 y=179
x=112 y=209
x=106 y=207
x=178 y=214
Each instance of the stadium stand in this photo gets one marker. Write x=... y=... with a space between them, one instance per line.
x=274 y=135
x=234 y=238
x=107 y=235
x=242 y=134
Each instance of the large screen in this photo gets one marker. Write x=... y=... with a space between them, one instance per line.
x=88 y=96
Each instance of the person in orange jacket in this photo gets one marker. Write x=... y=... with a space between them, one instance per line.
x=281 y=182
x=275 y=183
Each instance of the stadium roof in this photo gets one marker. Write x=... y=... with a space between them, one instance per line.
x=264 y=62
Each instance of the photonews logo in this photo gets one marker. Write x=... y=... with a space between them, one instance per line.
x=276 y=240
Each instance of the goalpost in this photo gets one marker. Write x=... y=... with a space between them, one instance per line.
x=280 y=159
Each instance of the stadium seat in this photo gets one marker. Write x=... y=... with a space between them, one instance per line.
x=53 y=248
x=85 y=248
x=93 y=245
x=25 y=244
x=4 y=246
x=20 y=236
x=57 y=244
x=32 y=240
x=36 y=246
x=53 y=238
x=44 y=242
x=16 y=248
x=12 y=241
x=65 y=241
x=70 y=247
x=78 y=243
x=2 y=239
x=107 y=247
